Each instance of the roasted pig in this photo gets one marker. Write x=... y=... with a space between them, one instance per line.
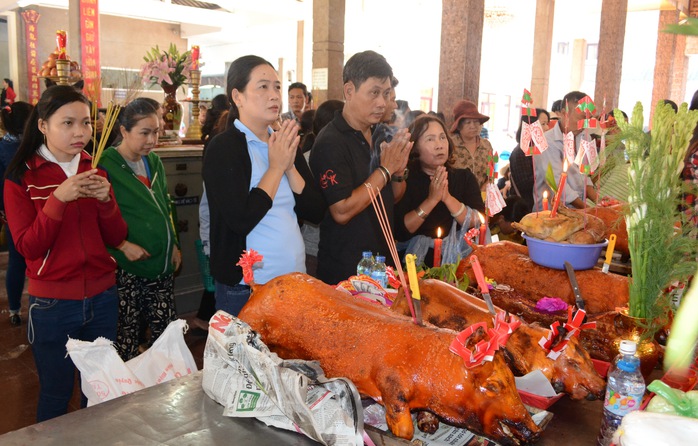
x=614 y=220
x=448 y=307
x=508 y=263
x=401 y=365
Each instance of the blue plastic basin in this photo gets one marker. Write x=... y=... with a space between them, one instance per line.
x=554 y=255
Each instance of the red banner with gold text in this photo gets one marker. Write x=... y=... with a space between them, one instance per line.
x=89 y=34
x=31 y=19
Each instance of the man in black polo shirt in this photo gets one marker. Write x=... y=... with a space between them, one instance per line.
x=344 y=159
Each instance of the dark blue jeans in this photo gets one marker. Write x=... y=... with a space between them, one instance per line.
x=51 y=322
x=231 y=299
x=16 y=267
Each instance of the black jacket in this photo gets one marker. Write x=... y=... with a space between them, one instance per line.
x=235 y=209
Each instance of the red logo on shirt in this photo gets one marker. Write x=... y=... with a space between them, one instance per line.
x=328 y=178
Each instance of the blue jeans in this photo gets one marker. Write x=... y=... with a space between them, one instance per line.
x=51 y=322
x=14 y=282
x=231 y=299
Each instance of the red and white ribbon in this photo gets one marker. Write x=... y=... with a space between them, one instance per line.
x=574 y=325
x=485 y=349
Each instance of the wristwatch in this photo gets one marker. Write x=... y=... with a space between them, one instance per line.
x=400 y=178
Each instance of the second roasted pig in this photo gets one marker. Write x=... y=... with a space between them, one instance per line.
x=572 y=372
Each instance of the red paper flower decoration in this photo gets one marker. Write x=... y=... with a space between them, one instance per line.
x=393 y=280
x=247 y=261
x=484 y=350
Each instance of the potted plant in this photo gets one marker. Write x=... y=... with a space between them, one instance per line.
x=661 y=249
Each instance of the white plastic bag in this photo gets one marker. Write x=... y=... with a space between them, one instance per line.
x=168 y=358
x=105 y=376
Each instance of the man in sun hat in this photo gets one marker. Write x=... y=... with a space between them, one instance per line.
x=470 y=150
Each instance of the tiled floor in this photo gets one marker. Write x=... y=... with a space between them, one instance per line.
x=19 y=383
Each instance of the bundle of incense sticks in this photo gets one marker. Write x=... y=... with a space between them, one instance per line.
x=379 y=208
x=109 y=121
x=93 y=91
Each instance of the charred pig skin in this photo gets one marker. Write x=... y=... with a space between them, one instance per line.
x=401 y=365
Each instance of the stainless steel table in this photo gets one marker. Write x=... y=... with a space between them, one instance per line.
x=177 y=412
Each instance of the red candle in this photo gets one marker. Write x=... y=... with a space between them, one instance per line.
x=545 y=200
x=61 y=40
x=560 y=187
x=483 y=230
x=437 y=249
x=195 y=57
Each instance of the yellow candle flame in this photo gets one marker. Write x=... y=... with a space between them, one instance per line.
x=482 y=217
x=412 y=274
x=564 y=167
x=545 y=195
x=438 y=233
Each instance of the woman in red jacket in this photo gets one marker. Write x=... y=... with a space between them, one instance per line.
x=8 y=92
x=62 y=213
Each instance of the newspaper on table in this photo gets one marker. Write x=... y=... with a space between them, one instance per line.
x=248 y=380
x=445 y=435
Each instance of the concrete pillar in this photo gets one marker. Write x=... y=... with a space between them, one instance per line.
x=461 y=48
x=679 y=74
x=300 y=37
x=609 y=65
x=579 y=55
x=665 y=58
x=542 y=47
x=328 y=50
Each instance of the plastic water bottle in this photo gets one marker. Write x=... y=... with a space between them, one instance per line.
x=378 y=271
x=365 y=264
x=624 y=391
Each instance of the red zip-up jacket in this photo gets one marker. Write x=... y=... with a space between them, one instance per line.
x=63 y=243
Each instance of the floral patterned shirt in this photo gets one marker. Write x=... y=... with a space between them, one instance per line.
x=476 y=162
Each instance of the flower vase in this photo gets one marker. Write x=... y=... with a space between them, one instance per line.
x=633 y=329
x=172 y=110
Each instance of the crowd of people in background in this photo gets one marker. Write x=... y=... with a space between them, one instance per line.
x=293 y=186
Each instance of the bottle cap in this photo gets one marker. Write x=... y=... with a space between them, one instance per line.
x=628 y=347
x=380 y=259
x=367 y=254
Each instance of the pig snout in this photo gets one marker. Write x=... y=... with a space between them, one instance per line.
x=576 y=374
x=513 y=424
x=517 y=433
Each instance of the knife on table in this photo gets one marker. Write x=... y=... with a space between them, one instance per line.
x=482 y=283
x=609 y=253
x=575 y=286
